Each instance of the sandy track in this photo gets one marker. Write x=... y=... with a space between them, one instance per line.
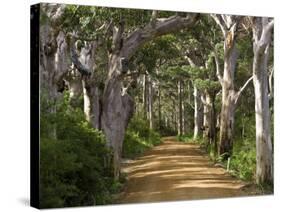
x=176 y=171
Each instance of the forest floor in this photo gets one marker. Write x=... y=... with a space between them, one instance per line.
x=178 y=171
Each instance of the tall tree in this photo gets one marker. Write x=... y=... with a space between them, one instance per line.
x=180 y=107
x=54 y=54
x=262 y=36
x=117 y=108
x=228 y=25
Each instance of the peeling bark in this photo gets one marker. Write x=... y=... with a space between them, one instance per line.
x=54 y=55
x=116 y=113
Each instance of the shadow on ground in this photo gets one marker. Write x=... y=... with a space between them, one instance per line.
x=177 y=171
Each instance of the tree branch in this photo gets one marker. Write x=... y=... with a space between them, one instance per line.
x=270 y=79
x=117 y=36
x=75 y=57
x=77 y=64
x=218 y=69
x=125 y=88
x=162 y=26
x=265 y=36
x=203 y=100
x=153 y=18
x=191 y=62
x=242 y=89
x=219 y=20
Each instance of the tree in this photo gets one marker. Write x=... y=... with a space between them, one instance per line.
x=53 y=54
x=262 y=35
x=228 y=25
x=118 y=108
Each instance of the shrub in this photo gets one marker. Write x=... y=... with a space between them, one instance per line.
x=75 y=167
x=243 y=160
x=185 y=138
x=138 y=138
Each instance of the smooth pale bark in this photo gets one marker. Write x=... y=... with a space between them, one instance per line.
x=206 y=115
x=184 y=127
x=180 y=115
x=209 y=125
x=228 y=25
x=92 y=103
x=87 y=102
x=159 y=106
x=84 y=62
x=198 y=114
x=262 y=33
x=117 y=109
x=150 y=102
x=75 y=87
x=144 y=96
x=198 y=107
x=174 y=116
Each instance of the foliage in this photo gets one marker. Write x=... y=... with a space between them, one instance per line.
x=166 y=130
x=139 y=138
x=243 y=160
x=75 y=167
x=186 y=138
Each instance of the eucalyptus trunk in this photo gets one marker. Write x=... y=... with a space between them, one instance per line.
x=262 y=32
x=180 y=115
x=92 y=103
x=54 y=58
x=117 y=110
x=228 y=25
x=117 y=107
x=150 y=102
x=198 y=114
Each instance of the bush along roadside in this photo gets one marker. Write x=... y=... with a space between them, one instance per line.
x=75 y=165
x=139 y=137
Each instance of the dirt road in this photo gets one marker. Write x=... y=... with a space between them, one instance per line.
x=176 y=171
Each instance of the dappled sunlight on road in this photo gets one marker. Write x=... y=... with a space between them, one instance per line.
x=176 y=171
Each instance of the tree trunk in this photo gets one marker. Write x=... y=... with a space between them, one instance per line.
x=159 y=106
x=87 y=96
x=179 y=121
x=92 y=103
x=116 y=113
x=144 y=96
x=228 y=95
x=228 y=25
x=117 y=109
x=150 y=102
x=226 y=123
x=263 y=140
x=174 y=116
x=264 y=154
x=209 y=118
x=213 y=121
x=75 y=87
x=54 y=59
x=206 y=119
x=184 y=127
x=198 y=115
